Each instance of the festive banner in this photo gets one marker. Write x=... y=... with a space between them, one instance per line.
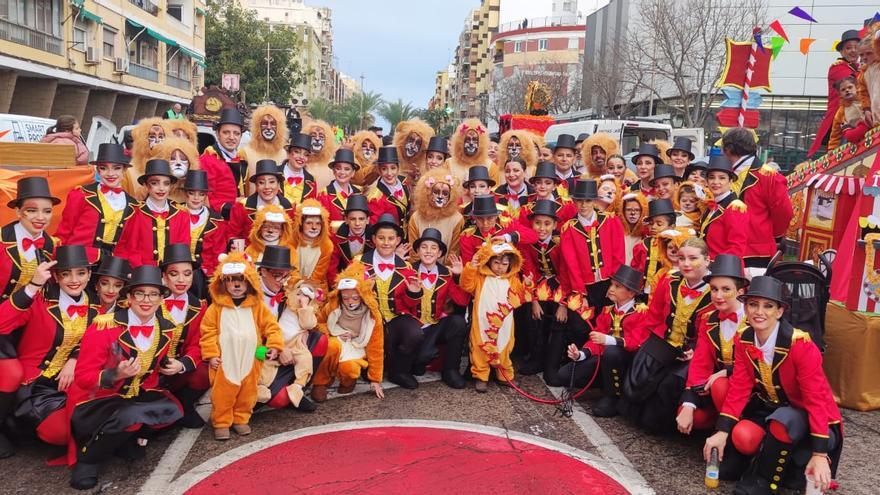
x=776 y=43
x=728 y=117
x=776 y=26
x=734 y=74
x=805 y=45
x=799 y=12
x=733 y=99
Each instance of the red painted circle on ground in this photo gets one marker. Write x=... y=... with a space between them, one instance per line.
x=407 y=460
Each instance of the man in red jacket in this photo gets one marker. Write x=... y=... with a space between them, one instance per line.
x=846 y=65
x=765 y=193
x=227 y=174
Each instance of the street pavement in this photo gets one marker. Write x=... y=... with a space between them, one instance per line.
x=668 y=465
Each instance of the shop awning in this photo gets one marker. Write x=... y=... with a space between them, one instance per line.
x=838 y=184
x=154 y=34
x=199 y=11
x=90 y=16
x=77 y=3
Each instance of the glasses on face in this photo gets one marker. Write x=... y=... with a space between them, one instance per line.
x=141 y=296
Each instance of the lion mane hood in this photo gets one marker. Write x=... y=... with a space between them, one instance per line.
x=140 y=150
x=186 y=127
x=401 y=132
x=323 y=157
x=297 y=237
x=254 y=239
x=422 y=200
x=529 y=151
x=358 y=141
x=216 y=288
x=496 y=248
x=356 y=271
x=456 y=144
x=603 y=140
x=260 y=145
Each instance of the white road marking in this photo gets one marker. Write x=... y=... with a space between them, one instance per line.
x=618 y=462
x=207 y=468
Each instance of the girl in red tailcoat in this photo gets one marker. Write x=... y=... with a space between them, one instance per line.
x=723 y=224
x=779 y=407
x=267 y=180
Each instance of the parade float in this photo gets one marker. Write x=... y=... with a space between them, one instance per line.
x=535 y=118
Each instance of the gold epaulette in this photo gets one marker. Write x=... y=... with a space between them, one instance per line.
x=374 y=193
x=242 y=200
x=766 y=170
x=641 y=308
x=469 y=231
x=103 y=322
x=738 y=206
x=800 y=335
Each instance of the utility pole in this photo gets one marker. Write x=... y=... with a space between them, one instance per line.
x=268 y=58
x=362 y=100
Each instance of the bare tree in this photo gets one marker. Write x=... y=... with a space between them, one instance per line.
x=563 y=80
x=676 y=50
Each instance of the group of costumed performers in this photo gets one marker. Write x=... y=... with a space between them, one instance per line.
x=271 y=272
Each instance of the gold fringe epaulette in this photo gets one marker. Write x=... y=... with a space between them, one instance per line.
x=738 y=206
x=103 y=322
x=800 y=335
x=766 y=170
x=641 y=308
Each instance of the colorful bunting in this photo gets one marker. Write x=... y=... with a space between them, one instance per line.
x=800 y=13
x=776 y=43
x=805 y=45
x=758 y=40
x=776 y=26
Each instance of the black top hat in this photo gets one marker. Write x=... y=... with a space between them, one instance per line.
x=146 y=275
x=767 y=288
x=545 y=207
x=663 y=170
x=848 y=35
x=275 y=258
x=478 y=172
x=230 y=116
x=721 y=163
x=266 y=167
x=495 y=137
x=682 y=144
x=68 y=257
x=657 y=207
x=387 y=154
x=111 y=153
x=431 y=234
x=357 y=202
x=726 y=265
x=176 y=253
x=32 y=187
x=700 y=165
x=196 y=180
x=629 y=277
x=545 y=170
x=300 y=140
x=648 y=149
x=582 y=137
x=386 y=220
x=344 y=156
x=114 y=266
x=156 y=166
x=565 y=141
x=484 y=206
x=439 y=144
x=585 y=189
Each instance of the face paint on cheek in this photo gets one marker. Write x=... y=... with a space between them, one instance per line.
x=514 y=150
x=471 y=145
x=317 y=143
x=412 y=147
x=441 y=197
x=268 y=133
x=179 y=168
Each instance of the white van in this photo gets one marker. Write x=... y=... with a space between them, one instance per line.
x=629 y=133
x=23 y=128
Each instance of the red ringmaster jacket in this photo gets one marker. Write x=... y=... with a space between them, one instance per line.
x=710 y=355
x=224 y=189
x=445 y=291
x=472 y=238
x=765 y=193
x=143 y=241
x=797 y=379
x=185 y=340
x=723 y=227
x=584 y=254
x=83 y=219
x=625 y=327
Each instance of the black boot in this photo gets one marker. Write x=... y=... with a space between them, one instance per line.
x=188 y=399
x=401 y=371
x=305 y=405
x=553 y=355
x=7 y=402
x=768 y=469
x=612 y=377
x=131 y=450
x=453 y=379
x=84 y=476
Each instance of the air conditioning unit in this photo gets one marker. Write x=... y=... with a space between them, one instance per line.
x=121 y=65
x=92 y=55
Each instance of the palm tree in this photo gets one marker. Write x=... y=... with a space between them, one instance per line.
x=364 y=105
x=323 y=109
x=397 y=111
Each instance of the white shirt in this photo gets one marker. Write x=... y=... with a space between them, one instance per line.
x=585 y=221
x=20 y=234
x=290 y=173
x=377 y=260
x=156 y=207
x=768 y=348
x=261 y=204
x=702 y=287
x=116 y=200
x=743 y=163
x=65 y=301
x=203 y=217
x=267 y=297
x=565 y=177
x=427 y=283
x=393 y=188
x=339 y=189
x=721 y=197
x=609 y=340
x=356 y=246
x=178 y=315
x=142 y=341
x=519 y=194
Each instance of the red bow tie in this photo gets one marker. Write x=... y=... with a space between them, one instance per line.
x=27 y=242
x=430 y=277
x=344 y=194
x=731 y=317
x=174 y=303
x=711 y=205
x=512 y=197
x=107 y=189
x=398 y=194
x=276 y=299
x=294 y=181
x=195 y=217
x=688 y=292
x=77 y=309
x=356 y=238
x=145 y=330
x=160 y=214
x=618 y=312
x=385 y=266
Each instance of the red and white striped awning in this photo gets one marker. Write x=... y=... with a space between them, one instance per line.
x=837 y=184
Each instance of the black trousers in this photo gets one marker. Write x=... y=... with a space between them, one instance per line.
x=403 y=341
x=451 y=330
x=612 y=368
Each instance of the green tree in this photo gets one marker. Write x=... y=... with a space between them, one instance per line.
x=236 y=41
x=439 y=120
x=397 y=111
x=362 y=105
x=324 y=109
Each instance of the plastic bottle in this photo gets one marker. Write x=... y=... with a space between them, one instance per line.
x=712 y=469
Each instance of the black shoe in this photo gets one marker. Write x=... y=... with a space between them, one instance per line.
x=404 y=380
x=752 y=484
x=606 y=407
x=453 y=379
x=551 y=378
x=419 y=369
x=84 y=477
x=131 y=450
x=6 y=448
x=530 y=367
x=306 y=406
x=191 y=419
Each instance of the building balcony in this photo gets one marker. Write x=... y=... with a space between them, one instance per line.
x=143 y=72
x=541 y=22
x=29 y=37
x=146 y=6
x=176 y=82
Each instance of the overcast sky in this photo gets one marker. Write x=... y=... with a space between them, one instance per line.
x=399 y=45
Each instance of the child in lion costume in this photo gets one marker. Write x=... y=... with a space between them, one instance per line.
x=145 y=135
x=365 y=145
x=435 y=204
